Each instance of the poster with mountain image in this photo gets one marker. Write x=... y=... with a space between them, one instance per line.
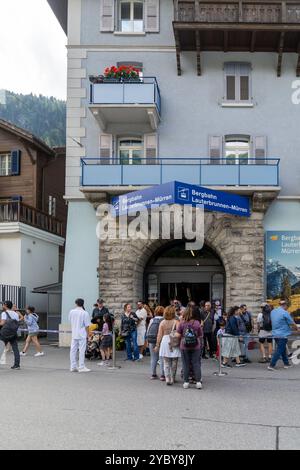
x=283 y=268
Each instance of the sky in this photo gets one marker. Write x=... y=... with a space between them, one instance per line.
x=33 y=55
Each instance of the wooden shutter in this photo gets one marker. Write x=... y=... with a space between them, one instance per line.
x=106 y=147
x=150 y=145
x=260 y=149
x=151 y=14
x=244 y=71
x=107 y=15
x=215 y=149
x=15 y=162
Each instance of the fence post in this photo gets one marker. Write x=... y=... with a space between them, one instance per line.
x=114 y=358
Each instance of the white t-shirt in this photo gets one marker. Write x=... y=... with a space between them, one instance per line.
x=79 y=320
x=13 y=315
x=142 y=316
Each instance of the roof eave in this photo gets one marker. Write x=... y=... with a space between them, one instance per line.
x=60 y=9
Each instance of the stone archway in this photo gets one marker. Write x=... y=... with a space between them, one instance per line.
x=239 y=243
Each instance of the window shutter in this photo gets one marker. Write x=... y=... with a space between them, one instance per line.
x=230 y=73
x=260 y=149
x=151 y=145
x=106 y=147
x=152 y=16
x=15 y=162
x=107 y=15
x=215 y=149
x=244 y=74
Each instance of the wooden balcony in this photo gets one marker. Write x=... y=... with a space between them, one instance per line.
x=237 y=26
x=15 y=211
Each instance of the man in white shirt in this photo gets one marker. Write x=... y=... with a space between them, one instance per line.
x=80 y=322
x=141 y=313
x=9 y=314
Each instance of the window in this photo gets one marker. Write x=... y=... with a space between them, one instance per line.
x=131 y=151
x=237 y=150
x=5 y=164
x=52 y=206
x=237 y=83
x=132 y=16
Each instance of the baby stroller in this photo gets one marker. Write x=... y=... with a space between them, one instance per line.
x=93 y=347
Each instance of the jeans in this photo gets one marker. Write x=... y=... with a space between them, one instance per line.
x=131 y=342
x=208 y=338
x=15 y=348
x=245 y=344
x=77 y=345
x=280 y=352
x=191 y=359
x=154 y=360
x=170 y=367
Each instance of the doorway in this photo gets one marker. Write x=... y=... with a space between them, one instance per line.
x=184 y=291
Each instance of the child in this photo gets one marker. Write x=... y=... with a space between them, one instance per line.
x=31 y=319
x=220 y=333
x=106 y=343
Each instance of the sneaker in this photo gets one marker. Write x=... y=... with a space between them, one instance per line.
x=39 y=354
x=85 y=369
x=241 y=364
x=15 y=367
x=100 y=364
x=228 y=366
x=162 y=378
x=271 y=368
x=141 y=356
x=199 y=385
x=153 y=377
x=263 y=360
x=287 y=366
x=23 y=354
x=247 y=361
x=186 y=385
x=73 y=370
x=290 y=355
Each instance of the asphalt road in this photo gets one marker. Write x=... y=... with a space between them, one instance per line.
x=44 y=406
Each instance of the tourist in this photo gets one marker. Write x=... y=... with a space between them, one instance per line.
x=80 y=322
x=208 y=326
x=9 y=332
x=129 y=323
x=99 y=309
x=282 y=326
x=264 y=326
x=191 y=335
x=246 y=318
x=220 y=333
x=142 y=315
x=106 y=340
x=31 y=319
x=168 y=344
x=230 y=344
x=151 y=336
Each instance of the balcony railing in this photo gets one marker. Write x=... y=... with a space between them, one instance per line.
x=200 y=171
x=238 y=11
x=144 y=91
x=16 y=294
x=15 y=211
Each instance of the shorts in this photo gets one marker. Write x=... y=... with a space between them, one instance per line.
x=33 y=334
x=106 y=342
x=262 y=340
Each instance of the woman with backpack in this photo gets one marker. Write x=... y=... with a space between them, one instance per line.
x=264 y=325
x=151 y=336
x=230 y=347
x=31 y=319
x=167 y=344
x=191 y=338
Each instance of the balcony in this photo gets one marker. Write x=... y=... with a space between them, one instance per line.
x=135 y=103
x=15 y=211
x=200 y=171
x=237 y=25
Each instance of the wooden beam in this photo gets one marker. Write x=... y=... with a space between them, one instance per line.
x=280 y=53
x=198 y=49
x=298 y=61
x=28 y=150
x=253 y=40
x=225 y=41
x=177 y=44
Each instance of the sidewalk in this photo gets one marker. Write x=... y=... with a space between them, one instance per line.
x=47 y=407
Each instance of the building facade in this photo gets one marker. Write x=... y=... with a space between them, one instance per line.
x=215 y=105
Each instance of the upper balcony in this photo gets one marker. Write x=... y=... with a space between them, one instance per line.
x=118 y=103
x=112 y=177
x=237 y=25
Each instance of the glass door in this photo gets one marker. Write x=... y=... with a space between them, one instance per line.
x=131 y=151
x=237 y=152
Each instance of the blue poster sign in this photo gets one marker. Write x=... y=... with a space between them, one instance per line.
x=182 y=193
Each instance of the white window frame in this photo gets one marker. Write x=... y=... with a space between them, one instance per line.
x=131 y=148
x=237 y=138
x=8 y=164
x=132 y=20
x=238 y=102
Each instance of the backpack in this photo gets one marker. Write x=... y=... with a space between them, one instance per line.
x=153 y=330
x=267 y=323
x=9 y=330
x=190 y=338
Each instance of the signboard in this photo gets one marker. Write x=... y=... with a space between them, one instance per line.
x=283 y=267
x=182 y=193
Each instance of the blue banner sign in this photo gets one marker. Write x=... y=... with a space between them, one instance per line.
x=182 y=193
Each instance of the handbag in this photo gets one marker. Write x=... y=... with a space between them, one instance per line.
x=174 y=339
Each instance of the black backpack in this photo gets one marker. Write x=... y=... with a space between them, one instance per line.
x=267 y=323
x=153 y=330
x=9 y=330
x=190 y=338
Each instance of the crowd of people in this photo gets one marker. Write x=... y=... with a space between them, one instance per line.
x=192 y=333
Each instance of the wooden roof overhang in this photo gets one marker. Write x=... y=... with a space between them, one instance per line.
x=237 y=37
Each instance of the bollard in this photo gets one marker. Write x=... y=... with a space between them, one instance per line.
x=220 y=372
x=114 y=358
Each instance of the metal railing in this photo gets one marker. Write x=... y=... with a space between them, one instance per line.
x=16 y=211
x=16 y=294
